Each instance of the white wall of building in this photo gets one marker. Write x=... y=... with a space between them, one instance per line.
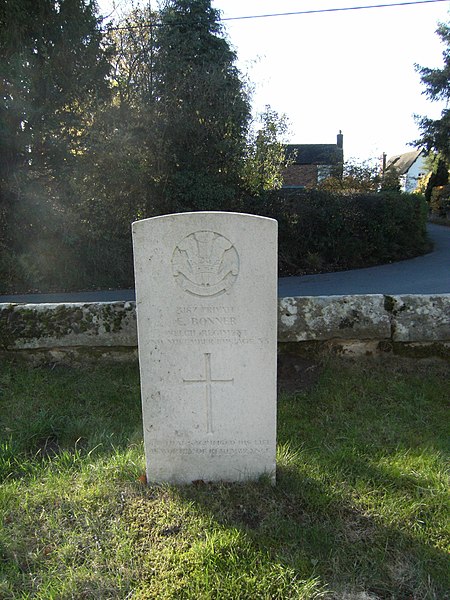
x=415 y=172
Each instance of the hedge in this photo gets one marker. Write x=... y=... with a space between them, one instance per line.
x=320 y=231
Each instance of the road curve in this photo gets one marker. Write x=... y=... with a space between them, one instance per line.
x=429 y=274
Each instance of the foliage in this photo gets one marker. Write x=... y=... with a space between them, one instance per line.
x=266 y=154
x=356 y=177
x=390 y=180
x=101 y=130
x=436 y=133
x=439 y=175
x=203 y=106
x=181 y=115
x=321 y=231
x=52 y=74
x=169 y=134
x=318 y=232
x=440 y=201
x=361 y=177
x=79 y=162
x=359 y=509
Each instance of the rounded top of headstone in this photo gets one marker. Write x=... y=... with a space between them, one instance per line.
x=205 y=213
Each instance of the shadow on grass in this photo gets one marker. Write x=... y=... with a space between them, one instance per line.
x=358 y=501
x=306 y=525
x=361 y=489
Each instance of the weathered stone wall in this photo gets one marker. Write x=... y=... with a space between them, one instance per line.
x=370 y=325
x=408 y=325
x=69 y=333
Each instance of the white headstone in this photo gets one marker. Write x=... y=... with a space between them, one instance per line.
x=206 y=292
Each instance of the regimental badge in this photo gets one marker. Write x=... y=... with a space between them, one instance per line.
x=205 y=263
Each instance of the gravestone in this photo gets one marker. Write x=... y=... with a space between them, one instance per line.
x=206 y=300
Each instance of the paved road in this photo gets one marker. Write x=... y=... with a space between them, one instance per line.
x=429 y=274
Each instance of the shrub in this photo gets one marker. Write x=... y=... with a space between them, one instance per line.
x=440 y=201
x=320 y=231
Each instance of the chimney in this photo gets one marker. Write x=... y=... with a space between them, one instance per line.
x=340 y=140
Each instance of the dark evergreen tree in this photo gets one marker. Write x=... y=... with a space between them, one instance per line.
x=436 y=132
x=98 y=130
x=52 y=72
x=203 y=106
x=438 y=177
x=175 y=134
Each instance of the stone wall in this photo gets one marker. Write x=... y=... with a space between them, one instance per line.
x=408 y=325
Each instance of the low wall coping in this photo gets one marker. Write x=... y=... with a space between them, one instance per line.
x=402 y=318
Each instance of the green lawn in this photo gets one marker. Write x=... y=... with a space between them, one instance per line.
x=360 y=510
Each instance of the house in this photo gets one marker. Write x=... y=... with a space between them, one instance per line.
x=311 y=163
x=410 y=167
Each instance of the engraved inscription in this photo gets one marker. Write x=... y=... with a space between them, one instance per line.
x=208 y=381
x=211 y=447
x=205 y=263
x=207 y=325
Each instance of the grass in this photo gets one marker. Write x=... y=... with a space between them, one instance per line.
x=360 y=510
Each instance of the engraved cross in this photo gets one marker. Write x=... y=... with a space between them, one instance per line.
x=208 y=381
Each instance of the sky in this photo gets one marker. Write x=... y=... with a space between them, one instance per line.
x=349 y=70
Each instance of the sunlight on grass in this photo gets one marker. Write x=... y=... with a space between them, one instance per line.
x=361 y=503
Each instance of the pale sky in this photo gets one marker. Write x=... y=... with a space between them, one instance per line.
x=351 y=70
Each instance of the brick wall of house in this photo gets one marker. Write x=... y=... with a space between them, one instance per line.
x=301 y=175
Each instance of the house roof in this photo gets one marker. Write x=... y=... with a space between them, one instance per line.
x=403 y=162
x=315 y=154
